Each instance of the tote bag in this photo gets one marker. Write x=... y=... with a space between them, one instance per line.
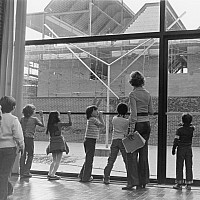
x=133 y=145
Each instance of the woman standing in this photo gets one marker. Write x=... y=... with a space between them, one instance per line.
x=141 y=106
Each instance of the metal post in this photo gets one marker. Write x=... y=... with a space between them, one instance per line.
x=108 y=108
x=90 y=18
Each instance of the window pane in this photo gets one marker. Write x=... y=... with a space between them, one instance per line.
x=69 y=18
x=183 y=95
x=64 y=82
x=182 y=15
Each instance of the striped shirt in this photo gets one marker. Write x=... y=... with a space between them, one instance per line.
x=92 y=128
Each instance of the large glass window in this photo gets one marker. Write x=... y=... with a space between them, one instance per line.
x=70 y=18
x=183 y=95
x=182 y=15
x=64 y=82
x=67 y=76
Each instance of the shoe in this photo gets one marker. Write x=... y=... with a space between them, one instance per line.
x=144 y=186
x=106 y=180
x=10 y=189
x=177 y=187
x=50 y=178
x=188 y=187
x=90 y=179
x=79 y=178
x=26 y=175
x=140 y=186
x=128 y=187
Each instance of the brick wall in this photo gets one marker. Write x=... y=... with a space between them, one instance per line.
x=70 y=78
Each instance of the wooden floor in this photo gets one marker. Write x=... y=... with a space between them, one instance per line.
x=39 y=188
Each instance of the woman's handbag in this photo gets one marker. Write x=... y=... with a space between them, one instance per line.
x=132 y=145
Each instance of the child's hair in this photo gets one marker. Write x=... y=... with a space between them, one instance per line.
x=89 y=110
x=122 y=109
x=53 y=119
x=186 y=119
x=28 y=110
x=136 y=79
x=7 y=103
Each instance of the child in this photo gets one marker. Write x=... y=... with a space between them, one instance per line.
x=29 y=123
x=57 y=142
x=120 y=129
x=183 y=140
x=11 y=137
x=94 y=122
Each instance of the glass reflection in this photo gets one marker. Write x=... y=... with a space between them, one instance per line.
x=70 y=77
x=70 y=18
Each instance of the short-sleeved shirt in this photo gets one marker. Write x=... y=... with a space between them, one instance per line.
x=29 y=126
x=185 y=134
x=120 y=127
x=92 y=128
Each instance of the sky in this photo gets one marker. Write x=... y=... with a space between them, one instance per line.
x=191 y=19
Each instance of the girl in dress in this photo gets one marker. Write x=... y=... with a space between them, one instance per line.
x=57 y=142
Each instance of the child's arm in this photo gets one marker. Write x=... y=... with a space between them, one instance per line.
x=102 y=124
x=70 y=120
x=18 y=135
x=175 y=143
x=41 y=117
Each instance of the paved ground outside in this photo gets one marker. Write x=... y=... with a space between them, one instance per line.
x=73 y=162
x=69 y=188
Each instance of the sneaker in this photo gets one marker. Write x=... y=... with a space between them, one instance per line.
x=90 y=179
x=50 y=178
x=177 y=187
x=106 y=180
x=128 y=187
x=79 y=178
x=188 y=187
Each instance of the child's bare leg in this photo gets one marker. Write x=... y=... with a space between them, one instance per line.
x=57 y=163
x=53 y=163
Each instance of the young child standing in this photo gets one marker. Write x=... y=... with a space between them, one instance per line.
x=11 y=137
x=183 y=140
x=120 y=129
x=57 y=142
x=29 y=123
x=94 y=122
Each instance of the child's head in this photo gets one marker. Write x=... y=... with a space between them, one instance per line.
x=186 y=119
x=89 y=110
x=28 y=110
x=136 y=79
x=8 y=104
x=122 y=109
x=54 y=117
